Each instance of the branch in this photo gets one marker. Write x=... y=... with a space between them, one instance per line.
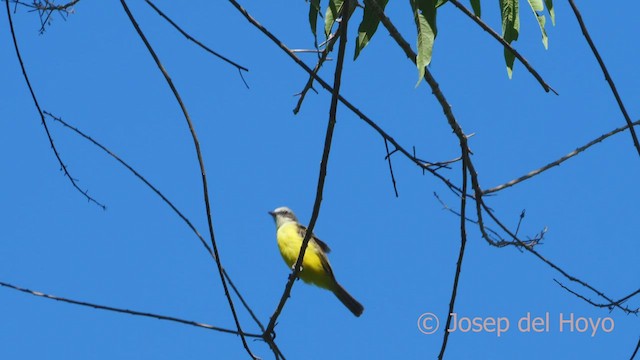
x=498 y=240
x=548 y=262
x=166 y=201
x=606 y=75
x=610 y=305
x=44 y=123
x=323 y=169
x=125 y=311
x=46 y=8
x=325 y=53
x=463 y=244
x=393 y=178
x=48 y=5
x=205 y=186
x=508 y=46
x=559 y=161
x=635 y=352
x=189 y=37
x=424 y=165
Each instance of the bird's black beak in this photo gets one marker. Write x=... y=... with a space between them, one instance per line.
x=272 y=213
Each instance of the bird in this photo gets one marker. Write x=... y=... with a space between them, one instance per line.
x=316 y=269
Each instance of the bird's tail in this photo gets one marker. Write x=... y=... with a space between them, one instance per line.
x=352 y=304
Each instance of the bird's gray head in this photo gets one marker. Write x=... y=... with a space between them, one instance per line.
x=283 y=215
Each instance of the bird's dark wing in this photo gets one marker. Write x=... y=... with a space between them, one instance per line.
x=323 y=246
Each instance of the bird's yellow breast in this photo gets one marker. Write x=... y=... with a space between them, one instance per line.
x=313 y=271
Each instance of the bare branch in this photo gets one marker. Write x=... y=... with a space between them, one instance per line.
x=606 y=75
x=559 y=161
x=46 y=8
x=498 y=240
x=44 y=123
x=206 y=48
x=610 y=305
x=165 y=200
x=393 y=178
x=205 y=186
x=635 y=352
x=463 y=244
x=125 y=311
x=548 y=262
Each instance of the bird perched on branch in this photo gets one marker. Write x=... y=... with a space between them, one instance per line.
x=316 y=269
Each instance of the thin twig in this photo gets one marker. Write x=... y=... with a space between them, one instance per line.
x=635 y=352
x=125 y=311
x=165 y=200
x=463 y=244
x=205 y=186
x=583 y=27
x=522 y=214
x=342 y=30
x=46 y=9
x=203 y=46
x=44 y=123
x=610 y=306
x=48 y=6
x=388 y=157
x=551 y=264
x=559 y=161
x=507 y=46
x=324 y=56
x=497 y=239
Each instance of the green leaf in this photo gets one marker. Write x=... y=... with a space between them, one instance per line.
x=509 y=11
x=369 y=25
x=475 y=4
x=536 y=7
x=333 y=12
x=440 y=3
x=314 y=12
x=424 y=15
x=552 y=13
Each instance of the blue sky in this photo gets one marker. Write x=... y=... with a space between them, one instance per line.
x=395 y=255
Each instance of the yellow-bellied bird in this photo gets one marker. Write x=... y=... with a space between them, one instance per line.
x=315 y=265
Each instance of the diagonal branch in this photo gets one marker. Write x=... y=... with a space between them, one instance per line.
x=342 y=33
x=548 y=262
x=606 y=75
x=203 y=46
x=125 y=311
x=635 y=352
x=610 y=305
x=166 y=201
x=559 y=161
x=205 y=186
x=507 y=46
x=44 y=123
